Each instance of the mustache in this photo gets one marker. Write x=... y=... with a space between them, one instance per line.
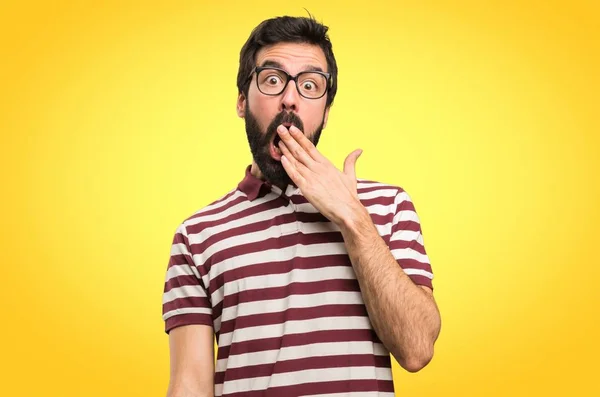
x=291 y=118
x=282 y=118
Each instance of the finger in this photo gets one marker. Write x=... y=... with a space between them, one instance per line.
x=350 y=163
x=305 y=143
x=298 y=166
x=292 y=172
x=288 y=161
x=294 y=147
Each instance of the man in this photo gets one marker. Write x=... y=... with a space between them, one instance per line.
x=308 y=277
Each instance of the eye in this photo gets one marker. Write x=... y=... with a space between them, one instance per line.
x=273 y=79
x=312 y=83
x=309 y=85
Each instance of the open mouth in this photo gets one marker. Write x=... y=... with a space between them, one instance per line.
x=274 y=144
x=274 y=148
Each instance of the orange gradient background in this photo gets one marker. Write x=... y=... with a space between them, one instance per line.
x=118 y=121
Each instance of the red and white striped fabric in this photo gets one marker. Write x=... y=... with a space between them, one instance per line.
x=272 y=276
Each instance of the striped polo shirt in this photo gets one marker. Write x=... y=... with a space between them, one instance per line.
x=272 y=277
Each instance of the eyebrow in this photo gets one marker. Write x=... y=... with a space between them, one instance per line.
x=305 y=68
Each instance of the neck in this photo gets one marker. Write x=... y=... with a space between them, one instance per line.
x=254 y=170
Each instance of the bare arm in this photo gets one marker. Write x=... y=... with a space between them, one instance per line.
x=192 y=361
x=404 y=315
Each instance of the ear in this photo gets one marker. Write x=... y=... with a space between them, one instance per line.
x=326 y=116
x=241 y=105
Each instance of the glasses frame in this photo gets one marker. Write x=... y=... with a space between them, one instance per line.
x=289 y=77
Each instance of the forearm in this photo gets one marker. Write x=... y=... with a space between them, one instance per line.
x=404 y=315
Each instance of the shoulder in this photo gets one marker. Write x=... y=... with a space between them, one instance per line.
x=214 y=210
x=384 y=198
x=369 y=188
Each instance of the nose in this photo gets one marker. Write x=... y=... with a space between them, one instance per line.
x=290 y=98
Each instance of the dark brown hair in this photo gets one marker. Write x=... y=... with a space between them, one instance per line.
x=286 y=29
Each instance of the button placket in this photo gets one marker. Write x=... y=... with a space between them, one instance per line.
x=291 y=208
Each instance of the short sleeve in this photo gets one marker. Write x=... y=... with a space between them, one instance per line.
x=185 y=299
x=406 y=242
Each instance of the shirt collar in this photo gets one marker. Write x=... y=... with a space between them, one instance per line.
x=254 y=187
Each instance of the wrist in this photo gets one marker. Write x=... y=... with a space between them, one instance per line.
x=356 y=221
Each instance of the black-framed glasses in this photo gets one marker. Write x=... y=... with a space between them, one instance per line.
x=273 y=81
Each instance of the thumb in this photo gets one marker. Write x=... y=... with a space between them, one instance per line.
x=350 y=163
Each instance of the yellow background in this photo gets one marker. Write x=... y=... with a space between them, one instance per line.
x=118 y=122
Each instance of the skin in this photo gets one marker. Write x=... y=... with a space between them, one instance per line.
x=191 y=353
x=404 y=315
x=295 y=58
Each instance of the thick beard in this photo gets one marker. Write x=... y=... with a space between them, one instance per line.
x=259 y=141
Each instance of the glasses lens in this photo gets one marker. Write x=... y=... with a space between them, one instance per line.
x=312 y=85
x=271 y=81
